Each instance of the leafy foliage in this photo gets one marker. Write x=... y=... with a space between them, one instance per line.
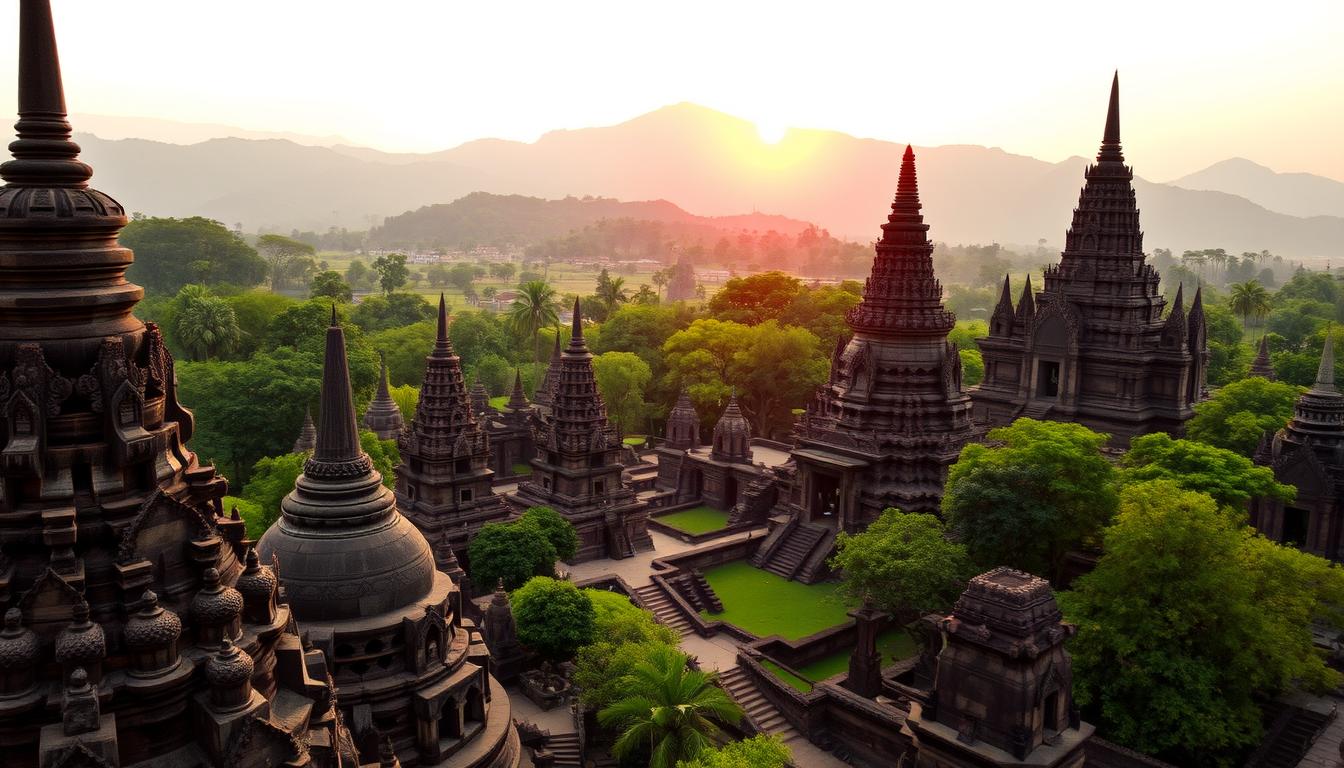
x=1037 y=490
x=622 y=378
x=554 y=618
x=557 y=530
x=512 y=552
x=760 y=751
x=1229 y=478
x=393 y=310
x=291 y=262
x=170 y=253
x=391 y=271
x=536 y=307
x=1188 y=621
x=668 y=709
x=331 y=285
x=405 y=347
x=623 y=636
x=904 y=564
x=1239 y=414
x=272 y=479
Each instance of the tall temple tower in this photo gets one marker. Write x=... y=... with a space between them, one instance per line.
x=1094 y=346
x=1308 y=454
x=577 y=467
x=1003 y=691
x=882 y=432
x=138 y=628
x=443 y=481
x=362 y=580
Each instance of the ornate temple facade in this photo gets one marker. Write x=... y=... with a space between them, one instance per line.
x=139 y=628
x=577 y=468
x=383 y=416
x=410 y=669
x=1308 y=454
x=1003 y=690
x=882 y=432
x=510 y=431
x=1094 y=346
x=445 y=475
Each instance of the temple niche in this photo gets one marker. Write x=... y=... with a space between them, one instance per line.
x=1094 y=346
x=411 y=671
x=1308 y=454
x=892 y=418
x=444 y=480
x=577 y=469
x=140 y=629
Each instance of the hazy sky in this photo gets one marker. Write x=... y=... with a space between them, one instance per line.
x=1200 y=81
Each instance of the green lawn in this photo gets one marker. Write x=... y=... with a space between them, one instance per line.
x=798 y=683
x=893 y=645
x=701 y=519
x=498 y=403
x=522 y=469
x=765 y=604
x=635 y=441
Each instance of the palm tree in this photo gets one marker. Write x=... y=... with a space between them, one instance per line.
x=660 y=280
x=669 y=709
x=1250 y=300
x=644 y=295
x=207 y=326
x=611 y=292
x=534 y=309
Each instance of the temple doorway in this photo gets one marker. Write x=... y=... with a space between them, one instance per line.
x=1294 y=527
x=824 y=505
x=1047 y=379
x=730 y=491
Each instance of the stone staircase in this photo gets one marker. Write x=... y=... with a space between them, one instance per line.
x=566 y=749
x=763 y=714
x=794 y=550
x=1036 y=409
x=1291 y=732
x=664 y=610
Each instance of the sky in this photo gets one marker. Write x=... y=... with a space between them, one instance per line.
x=1200 y=81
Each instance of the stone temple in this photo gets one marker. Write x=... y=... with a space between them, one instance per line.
x=1095 y=347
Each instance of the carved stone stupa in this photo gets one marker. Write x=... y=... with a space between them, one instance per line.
x=117 y=569
x=1095 y=347
x=362 y=579
x=383 y=417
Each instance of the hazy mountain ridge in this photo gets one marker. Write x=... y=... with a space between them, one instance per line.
x=1296 y=194
x=704 y=161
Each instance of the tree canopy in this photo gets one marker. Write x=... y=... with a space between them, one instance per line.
x=514 y=552
x=1239 y=414
x=759 y=751
x=170 y=253
x=553 y=617
x=557 y=530
x=904 y=564
x=1229 y=478
x=1036 y=490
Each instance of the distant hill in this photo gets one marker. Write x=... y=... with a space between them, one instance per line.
x=705 y=161
x=1296 y=194
x=517 y=220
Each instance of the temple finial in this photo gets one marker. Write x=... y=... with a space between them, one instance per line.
x=43 y=153
x=576 y=332
x=1110 y=140
x=443 y=346
x=334 y=321
x=1178 y=304
x=338 y=437
x=907 y=186
x=1325 y=374
x=1006 y=295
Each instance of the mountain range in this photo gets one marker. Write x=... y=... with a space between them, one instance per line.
x=713 y=164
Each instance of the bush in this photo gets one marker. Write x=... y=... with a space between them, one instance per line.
x=553 y=617
x=511 y=552
x=558 y=531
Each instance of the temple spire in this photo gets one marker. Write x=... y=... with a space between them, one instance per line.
x=576 y=331
x=1006 y=295
x=338 y=437
x=518 y=398
x=1261 y=366
x=43 y=153
x=443 y=346
x=1110 y=141
x=1325 y=374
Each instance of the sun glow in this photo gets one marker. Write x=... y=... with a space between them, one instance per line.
x=771 y=132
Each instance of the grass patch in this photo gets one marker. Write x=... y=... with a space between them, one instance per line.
x=498 y=403
x=765 y=604
x=892 y=645
x=794 y=681
x=635 y=441
x=696 y=520
x=521 y=469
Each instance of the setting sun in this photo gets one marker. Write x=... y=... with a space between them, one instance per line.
x=771 y=132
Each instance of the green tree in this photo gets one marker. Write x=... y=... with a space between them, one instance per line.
x=494 y=373
x=1037 y=490
x=503 y=270
x=534 y=308
x=272 y=479
x=406 y=398
x=359 y=275
x=205 y=325
x=512 y=552
x=669 y=710
x=384 y=454
x=461 y=276
x=760 y=751
x=622 y=377
x=611 y=292
x=405 y=348
x=972 y=367
x=822 y=310
x=904 y=564
x=477 y=334
x=755 y=299
x=291 y=262
x=1227 y=477
x=1188 y=621
x=1249 y=301
x=170 y=253
x=255 y=310
x=392 y=310
x=331 y=285
x=391 y=270
x=553 y=617
x=1239 y=414
x=623 y=636
x=557 y=530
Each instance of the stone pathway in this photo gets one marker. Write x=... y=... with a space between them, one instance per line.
x=1324 y=753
